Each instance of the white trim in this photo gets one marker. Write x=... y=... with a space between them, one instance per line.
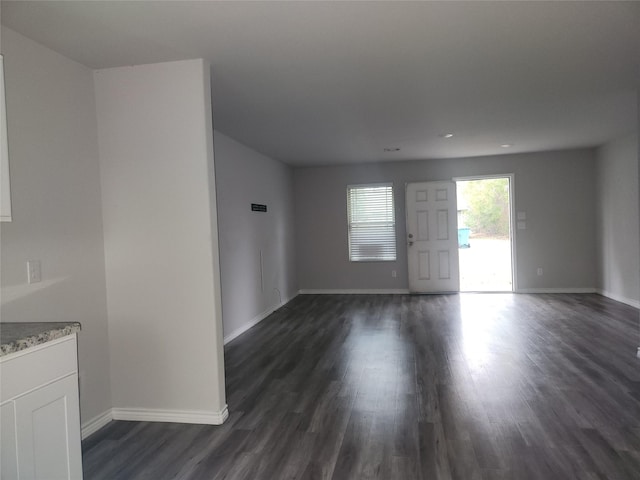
x=355 y=291
x=619 y=298
x=153 y=415
x=481 y=177
x=96 y=423
x=557 y=290
x=365 y=185
x=5 y=187
x=255 y=320
x=252 y=323
x=403 y=291
x=172 y=416
x=513 y=222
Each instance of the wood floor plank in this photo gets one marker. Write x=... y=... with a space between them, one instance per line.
x=404 y=387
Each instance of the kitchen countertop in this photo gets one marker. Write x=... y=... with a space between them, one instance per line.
x=19 y=336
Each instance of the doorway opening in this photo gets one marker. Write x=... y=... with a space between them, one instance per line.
x=485 y=243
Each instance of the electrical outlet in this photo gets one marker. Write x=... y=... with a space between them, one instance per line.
x=394 y=274
x=539 y=271
x=34 y=272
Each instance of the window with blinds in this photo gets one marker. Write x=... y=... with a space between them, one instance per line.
x=372 y=226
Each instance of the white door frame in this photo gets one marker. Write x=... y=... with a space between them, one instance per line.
x=512 y=218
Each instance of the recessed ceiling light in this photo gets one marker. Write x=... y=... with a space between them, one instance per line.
x=446 y=135
x=506 y=145
x=392 y=149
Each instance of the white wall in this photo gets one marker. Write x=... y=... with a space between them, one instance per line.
x=245 y=176
x=162 y=270
x=618 y=228
x=57 y=217
x=555 y=189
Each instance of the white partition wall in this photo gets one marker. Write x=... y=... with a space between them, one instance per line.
x=161 y=252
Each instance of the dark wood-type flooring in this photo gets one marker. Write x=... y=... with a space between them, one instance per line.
x=493 y=386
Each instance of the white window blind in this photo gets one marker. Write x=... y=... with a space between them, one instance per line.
x=372 y=227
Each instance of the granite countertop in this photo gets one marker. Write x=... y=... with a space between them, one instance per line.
x=19 y=336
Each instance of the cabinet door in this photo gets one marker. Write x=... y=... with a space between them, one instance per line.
x=48 y=432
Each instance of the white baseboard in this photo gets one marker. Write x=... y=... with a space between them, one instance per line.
x=557 y=290
x=402 y=291
x=619 y=298
x=255 y=320
x=96 y=423
x=151 y=415
x=355 y=291
x=172 y=416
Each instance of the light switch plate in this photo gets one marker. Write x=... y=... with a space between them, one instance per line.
x=34 y=271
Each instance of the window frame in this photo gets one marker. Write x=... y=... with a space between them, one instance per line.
x=391 y=224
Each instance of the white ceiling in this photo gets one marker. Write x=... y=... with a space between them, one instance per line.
x=337 y=82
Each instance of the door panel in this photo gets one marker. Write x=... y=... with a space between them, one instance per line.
x=423 y=225
x=444 y=264
x=424 y=268
x=432 y=237
x=443 y=225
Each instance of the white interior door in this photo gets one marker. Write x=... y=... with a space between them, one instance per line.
x=432 y=237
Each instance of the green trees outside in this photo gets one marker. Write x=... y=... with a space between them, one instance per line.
x=487 y=206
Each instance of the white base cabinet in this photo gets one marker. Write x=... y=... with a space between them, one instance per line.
x=40 y=414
